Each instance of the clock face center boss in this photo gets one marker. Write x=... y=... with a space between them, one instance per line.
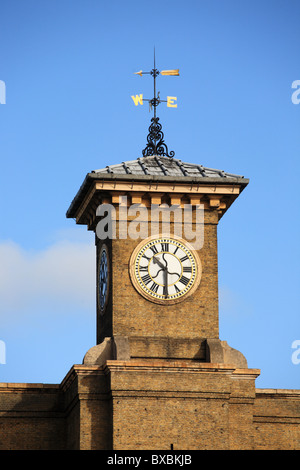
x=165 y=270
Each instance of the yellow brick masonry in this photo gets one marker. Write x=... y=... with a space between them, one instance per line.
x=140 y=404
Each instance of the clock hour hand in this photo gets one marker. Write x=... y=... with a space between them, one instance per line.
x=155 y=260
x=165 y=274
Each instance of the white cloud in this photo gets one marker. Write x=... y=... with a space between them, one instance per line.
x=61 y=276
x=232 y=305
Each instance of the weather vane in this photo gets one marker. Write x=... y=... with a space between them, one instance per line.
x=155 y=138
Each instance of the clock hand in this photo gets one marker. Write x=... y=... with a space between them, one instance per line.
x=153 y=277
x=165 y=282
x=174 y=273
x=165 y=274
x=166 y=267
x=155 y=260
x=165 y=260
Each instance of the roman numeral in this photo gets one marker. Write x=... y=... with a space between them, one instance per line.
x=154 y=249
x=154 y=287
x=184 y=258
x=165 y=247
x=144 y=269
x=184 y=280
x=175 y=250
x=176 y=288
x=187 y=269
x=146 y=279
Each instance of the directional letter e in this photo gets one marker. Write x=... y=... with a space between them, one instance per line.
x=170 y=102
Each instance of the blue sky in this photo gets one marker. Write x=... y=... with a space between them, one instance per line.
x=68 y=67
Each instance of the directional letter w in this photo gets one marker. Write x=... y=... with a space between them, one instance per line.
x=138 y=99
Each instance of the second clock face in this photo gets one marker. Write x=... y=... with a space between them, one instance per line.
x=103 y=283
x=165 y=270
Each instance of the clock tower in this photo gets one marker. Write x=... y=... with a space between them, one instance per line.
x=158 y=376
x=165 y=380
x=168 y=379
x=155 y=221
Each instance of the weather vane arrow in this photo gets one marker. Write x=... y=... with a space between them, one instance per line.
x=162 y=72
x=156 y=144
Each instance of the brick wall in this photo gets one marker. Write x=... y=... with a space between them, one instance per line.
x=187 y=405
x=31 y=417
x=277 y=419
x=150 y=405
x=129 y=314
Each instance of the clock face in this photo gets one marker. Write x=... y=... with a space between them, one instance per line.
x=165 y=270
x=103 y=284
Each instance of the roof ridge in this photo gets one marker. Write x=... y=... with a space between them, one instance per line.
x=157 y=165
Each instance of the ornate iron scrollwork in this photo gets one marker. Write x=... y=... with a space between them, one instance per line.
x=155 y=139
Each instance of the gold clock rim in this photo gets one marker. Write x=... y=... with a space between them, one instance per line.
x=147 y=296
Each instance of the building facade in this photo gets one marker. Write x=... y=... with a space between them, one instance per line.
x=159 y=377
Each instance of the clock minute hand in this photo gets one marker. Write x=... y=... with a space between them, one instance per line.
x=166 y=283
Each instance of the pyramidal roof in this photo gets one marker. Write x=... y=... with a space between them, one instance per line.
x=155 y=169
x=160 y=166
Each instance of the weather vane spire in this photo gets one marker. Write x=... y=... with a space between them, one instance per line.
x=155 y=139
